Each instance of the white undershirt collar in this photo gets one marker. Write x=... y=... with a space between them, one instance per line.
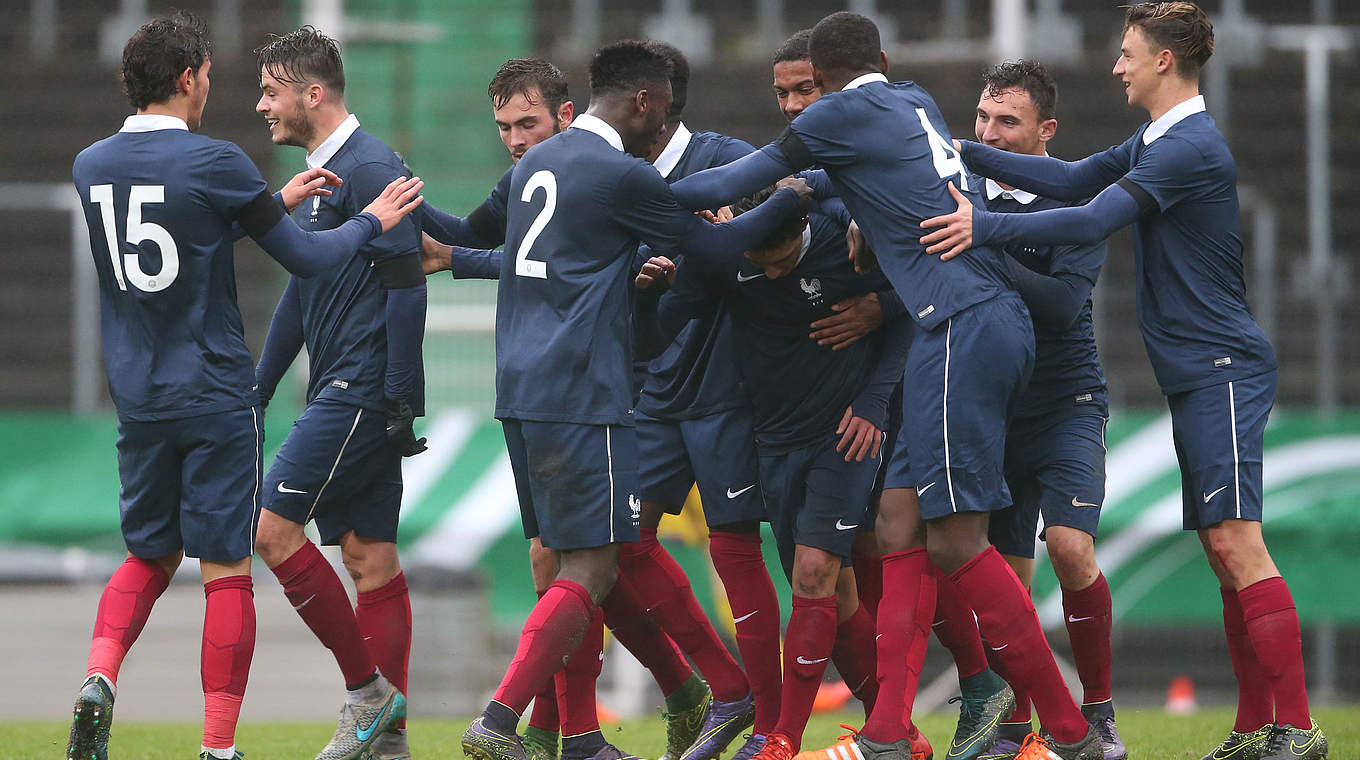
x=807 y=243
x=1019 y=196
x=151 y=122
x=600 y=127
x=332 y=144
x=864 y=79
x=675 y=148
x=1172 y=117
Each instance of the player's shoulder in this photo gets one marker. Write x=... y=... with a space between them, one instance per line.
x=364 y=148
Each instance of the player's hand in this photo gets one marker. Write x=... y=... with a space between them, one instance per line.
x=725 y=214
x=399 y=198
x=400 y=433
x=861 y=255
x=800 y=186
x=859 y=437
x=958 y=146
x=306 y=184
x=855 y=317
x=956 y=233
x=434 y=255
x=656 y=269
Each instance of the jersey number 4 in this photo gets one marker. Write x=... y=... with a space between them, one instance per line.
x=138 y=231
x=547 y=182
x=946 y=159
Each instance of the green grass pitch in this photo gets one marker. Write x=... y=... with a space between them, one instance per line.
x=1150 y=735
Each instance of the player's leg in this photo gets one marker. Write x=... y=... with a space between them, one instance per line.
x=854 y=654
x=540 y=737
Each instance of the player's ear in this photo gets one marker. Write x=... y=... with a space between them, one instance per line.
x=1047 y=129
x=565 y=113
x=1165 y=61
x=314 y=95
x=641 y=101
x=883 y=62
x=186 y=81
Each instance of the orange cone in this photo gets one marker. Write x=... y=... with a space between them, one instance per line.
x=831 y=697
x=1180 y=696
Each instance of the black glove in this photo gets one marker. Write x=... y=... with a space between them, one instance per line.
x=399 y=431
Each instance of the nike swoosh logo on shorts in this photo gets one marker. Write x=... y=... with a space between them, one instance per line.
x=842 y=526
x=748 y=279
x=1076 y=503
x=747 y=615
x=734 y=494
x=804 y=661
x=925 y=488
x=1212 y=494
x=285 y=489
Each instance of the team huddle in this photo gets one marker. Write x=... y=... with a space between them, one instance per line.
x=677 y=309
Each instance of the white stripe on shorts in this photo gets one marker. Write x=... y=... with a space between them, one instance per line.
x=255 y=500
x=609 y=455
x=1237 y=483
x=334 y=467
x=948 y=477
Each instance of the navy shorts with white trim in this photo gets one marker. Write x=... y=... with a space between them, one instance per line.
x=337 y=468
x=816 y=498
x=896 y=470
x=191 y=484
x=577 y=484
x=1055 y=466
x=718 y=451
x=961 y=384
x=1220 y=441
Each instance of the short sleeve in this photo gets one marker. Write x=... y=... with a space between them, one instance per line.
x=822 y=130
x=366 y=182
x=645 y=206
x=235 y=182
x=1170 y=170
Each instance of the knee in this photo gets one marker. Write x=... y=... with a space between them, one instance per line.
x=1239 y=549
x=1073 y=555
x=277 y=538
x=815 y=574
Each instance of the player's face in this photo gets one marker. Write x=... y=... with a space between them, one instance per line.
x=198 y=99
x=794 y=88
x=1009 y=121
x=524 y=121
x=281 y=104
x=646 y=125
x=780 y=260
x=1136 y=66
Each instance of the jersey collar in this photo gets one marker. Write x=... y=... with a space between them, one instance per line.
x=666 y=162
x=332 y=144
x=600 y=127
x=151 y=122
x=1172 y=118
x=864 y=79
x=1019 y=196
x=807 y=243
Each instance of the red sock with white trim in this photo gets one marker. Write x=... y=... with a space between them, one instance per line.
x=318 y=596
x=1088 y=615
x=755 y=612
x=807 y=646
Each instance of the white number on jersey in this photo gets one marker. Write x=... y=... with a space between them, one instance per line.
x=525 y=266
x=947 y=161
x=138 y=231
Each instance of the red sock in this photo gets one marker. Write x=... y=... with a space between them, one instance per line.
x=640 y=635
x=553 y=631
x=576 y=681
x=544 y=716
x=384 y=617
x=1255 y=705
x=1273 y=625
x=955 y=627
x=1021 y=713
x=868 y=580
x=856 y=657
x=1088 y=627
x=1007 y=620
x=315 y=591
x=807 y=646
x=649 y=568
x=123 y=610
x=904 y=617
x=228 y=645
x=755 y=611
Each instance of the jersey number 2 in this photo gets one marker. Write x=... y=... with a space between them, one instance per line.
x=137 y=232
x=947 y=161
x=525 y=266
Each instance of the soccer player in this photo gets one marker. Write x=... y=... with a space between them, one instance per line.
x=884 y=148
x=1176 y=182
x=161 y=203
x=818 y=415
x=1055 y=444
x=362 y=323
x=579 y=205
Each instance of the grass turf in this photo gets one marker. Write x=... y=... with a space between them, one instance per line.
x=1149 y=734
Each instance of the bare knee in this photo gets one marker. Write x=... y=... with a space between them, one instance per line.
x=847 y=594
x=371 y=563
x=815 y=572
x=277 y=538
x=1073 y=555
x=1240 y=551
x=595 y=569
x=542 y=564
x=898 y=526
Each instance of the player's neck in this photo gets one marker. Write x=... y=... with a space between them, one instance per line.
x=1171 y=94
x=325 y=123
x=176 y=107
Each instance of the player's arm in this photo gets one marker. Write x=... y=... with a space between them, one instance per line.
x=483 y=228
x=721 y=185
x=867 y=416
x=1055 y=301
x=281 y=344
x=1046 y=176
x=317 y=181
x=669 y=297
x=464 y=263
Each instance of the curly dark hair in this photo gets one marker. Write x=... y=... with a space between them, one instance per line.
x=158 y=53
x=845 y=43
x=627 y=66
x=1181 y=27
x=787 y=229
x=794 y=48
x=1030 y=76
x=521 y=76
x=303 y=56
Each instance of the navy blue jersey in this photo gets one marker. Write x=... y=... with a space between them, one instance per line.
x=697 y=374
x=887 y=152
x=1066 y=363
x=160 y=205
x=798 y=390
x=344 y=317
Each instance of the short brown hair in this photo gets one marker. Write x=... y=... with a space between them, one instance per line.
x=521 y=76
x=158 y=53
x=1181 y=27
x=303 y=56
x=1031 y=77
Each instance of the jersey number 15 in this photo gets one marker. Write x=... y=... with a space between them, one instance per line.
x=138 y=231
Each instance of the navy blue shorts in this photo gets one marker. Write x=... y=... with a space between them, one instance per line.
x=960 y=388
x=191 y=484
x=577 y=484
x=816 y=498
x=1220 y=440
x=1055 y=466
x=337 y=468
x=718 y=451
x=889 y=453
